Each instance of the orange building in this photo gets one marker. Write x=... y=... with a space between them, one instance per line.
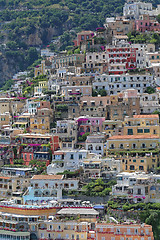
x=111 y=231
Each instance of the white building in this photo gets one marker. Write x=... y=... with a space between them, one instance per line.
x=53 y=86
x=32 y=105
x=47 y=53
x=114 y=84
x=96 y=57
x=139 y=187
x=133 y=9
x=140 y=55
x=71 y=159
x=76 y=91
x=95 y=144
x=149 y=102
x=47 y=187
x=95 y=167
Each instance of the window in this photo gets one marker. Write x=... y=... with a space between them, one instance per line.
x=132 y=167
x=71 y=156
x=141 y=168
x=112 y=146
x=121 y=146
x=103 y=238
x=128 y=231
x=139 y=130
x=136 y=231
x=143 y=145
x=130 y=131
x=33 y=227
x=134 y=145
x=146 y=130
x=42 y=235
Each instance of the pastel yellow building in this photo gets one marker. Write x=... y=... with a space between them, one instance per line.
x=63 y=230
x=136 y=152
x=111 y=127
x=5 y=119
x=39 y=90
x=141 y=124
x=40 y=122
x=39 y=70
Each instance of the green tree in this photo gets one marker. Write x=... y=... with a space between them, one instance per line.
x=94 y=93
x=102 y=92
x=32 y=55
x=150 y=90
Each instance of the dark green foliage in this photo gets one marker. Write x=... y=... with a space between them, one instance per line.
x=98 y=188
x=158 y=18
x=83 y=137
x=101 y=92
x=150 y=37
x=18 y=162
x=38 y=166
x=69 y=174
x=150 y=90
x=32 y=55
x=94 y=93
x=7 y=85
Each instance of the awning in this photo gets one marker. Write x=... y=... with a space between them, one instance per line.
x=21 y=234
x=20 y=123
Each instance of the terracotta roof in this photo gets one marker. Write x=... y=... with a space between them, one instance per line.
x=85 y=32
x=58 y=153
x=47 y=177
x=132 y=137
x=158 y=88
x=1 y=177
x=146 y=116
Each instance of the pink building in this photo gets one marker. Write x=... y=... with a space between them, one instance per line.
x=146 y=23
x=83 y=36
x=89 y=124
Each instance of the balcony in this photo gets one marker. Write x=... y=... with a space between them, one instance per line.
x=42 y=228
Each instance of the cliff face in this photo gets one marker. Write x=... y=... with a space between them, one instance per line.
x=41 y=36
x=10 y=65
x=7 y=69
